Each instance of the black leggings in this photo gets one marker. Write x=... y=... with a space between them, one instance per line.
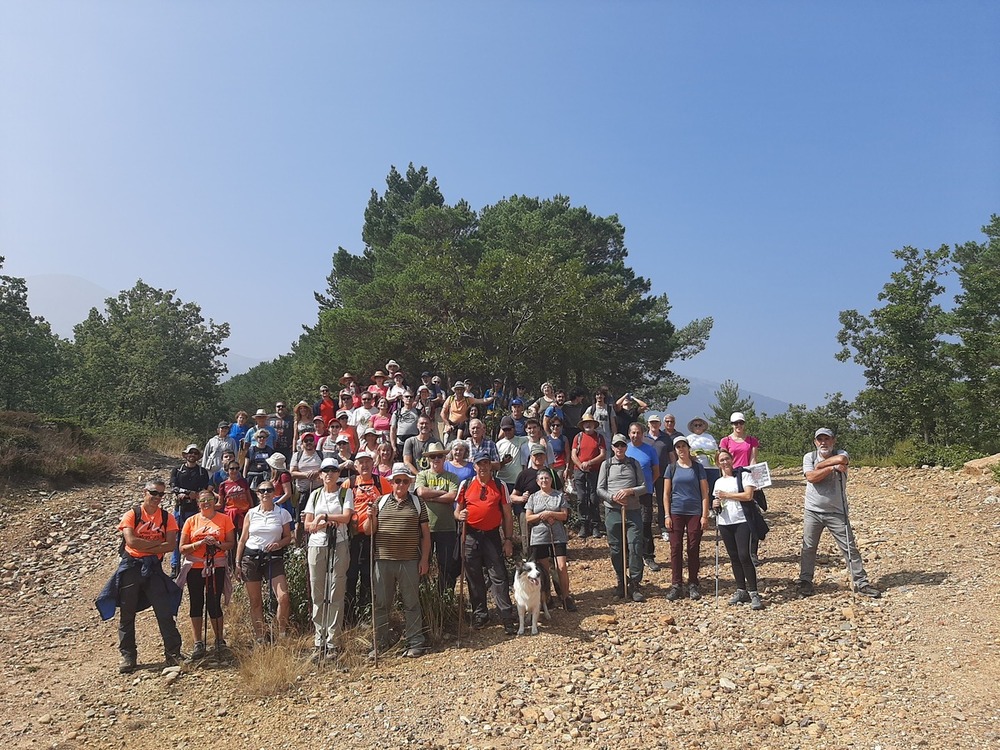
x=737 y=541
x=196 y=592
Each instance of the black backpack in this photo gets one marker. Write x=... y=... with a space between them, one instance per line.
x=758 y=526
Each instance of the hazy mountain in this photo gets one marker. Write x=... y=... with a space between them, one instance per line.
x=64 y=300
x=699 y=400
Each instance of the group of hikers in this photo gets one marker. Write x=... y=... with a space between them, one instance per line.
x=380 y=478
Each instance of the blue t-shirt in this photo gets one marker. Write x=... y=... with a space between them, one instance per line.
x=647 y=458
x=462 y=472
x=685 y=491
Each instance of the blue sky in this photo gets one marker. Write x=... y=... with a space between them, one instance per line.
x=765 y=158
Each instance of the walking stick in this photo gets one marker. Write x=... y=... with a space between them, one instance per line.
x=625 y=577
x=461 y=582
x=331 y=535
x=371 y=587
x=716 y=559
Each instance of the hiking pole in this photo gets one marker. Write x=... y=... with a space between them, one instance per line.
x=331 y=533
x=461 y=582
x=624 y=557
x=717 y=560
x=371 y=587
x=208 y=572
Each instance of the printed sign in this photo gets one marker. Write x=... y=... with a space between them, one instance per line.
x=761 y=474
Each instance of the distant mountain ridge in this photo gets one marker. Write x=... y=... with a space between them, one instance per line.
x=698 y=402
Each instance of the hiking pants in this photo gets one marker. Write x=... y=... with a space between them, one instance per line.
x=736 y=537
x=405 y=574
x=484 y=549
x=130 y=585
x=328 y=619
x=633 y=531
x=840 y=529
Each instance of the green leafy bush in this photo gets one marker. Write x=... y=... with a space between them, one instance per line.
x=917 y=453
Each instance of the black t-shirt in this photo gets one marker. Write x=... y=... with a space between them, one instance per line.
x=527 y=481
x=194 y=479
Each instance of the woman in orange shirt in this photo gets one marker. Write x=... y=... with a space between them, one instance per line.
x=205 y=542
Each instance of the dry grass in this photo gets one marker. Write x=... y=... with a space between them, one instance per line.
x=168 y=443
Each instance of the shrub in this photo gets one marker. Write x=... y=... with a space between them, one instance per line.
x=916 y=453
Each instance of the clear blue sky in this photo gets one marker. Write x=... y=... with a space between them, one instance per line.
x=765 y=158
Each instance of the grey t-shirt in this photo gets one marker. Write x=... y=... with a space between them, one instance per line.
x=544 y=533
x=826 y=496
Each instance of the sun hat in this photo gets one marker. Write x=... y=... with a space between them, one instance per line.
x=695 y=421
x=401 y=470
x=260 y=413
x=435 y=449
x=737 y=416
x=378 y=374
x=824 y=431
x=619 y=439
x=276 y=461
x=192 y=448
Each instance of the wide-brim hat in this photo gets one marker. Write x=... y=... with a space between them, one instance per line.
x=435 y=449
x=276 y=461
x=260 y=413
x=347 y=378
x=378 y=374
x=695 y=421
x=587 y=417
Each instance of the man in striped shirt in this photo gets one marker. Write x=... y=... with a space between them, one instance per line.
x=401 y=539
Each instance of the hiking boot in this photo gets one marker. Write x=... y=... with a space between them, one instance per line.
x=674 y=593
x=637 y=596
x=221 y=646
x=652 y=565
x=869 y=590
x=414 y=652
x=805 y=587
x=127 y=664
x=740 y=597
x=175 y=659
x=693 y=592
x=317 y=655
x=585 y=531
x=480 y=621
x=510 y=627
x=199 y=651
x=619 y=593
x=755 y=602
x=570 y=604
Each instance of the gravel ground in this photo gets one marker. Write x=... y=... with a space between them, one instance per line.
x=919 y=667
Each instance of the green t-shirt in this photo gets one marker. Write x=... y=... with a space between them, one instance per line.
x=440 y=515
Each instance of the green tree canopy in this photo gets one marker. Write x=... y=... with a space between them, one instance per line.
x=727 y=401
x=149 y=358
x=29 y=352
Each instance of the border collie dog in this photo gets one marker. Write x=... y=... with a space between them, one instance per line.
x=530 y=587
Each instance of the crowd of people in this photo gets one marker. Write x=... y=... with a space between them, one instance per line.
x=378 y=480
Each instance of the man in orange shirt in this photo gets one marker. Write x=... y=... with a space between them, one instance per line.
x=141 y=577
x=484 y=507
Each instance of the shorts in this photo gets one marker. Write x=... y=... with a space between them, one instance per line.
x=544 y=551
x=254 y=566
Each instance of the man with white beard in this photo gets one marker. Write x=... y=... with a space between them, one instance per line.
x=826 y=507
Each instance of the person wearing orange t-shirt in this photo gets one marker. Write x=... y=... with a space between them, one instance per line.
x=140 y=576
x=484 y=507
x=367 y=489
x=205 y=542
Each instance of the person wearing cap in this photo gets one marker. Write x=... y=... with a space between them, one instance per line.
x=620 y=485
x=663 y=444
x=509 y=450
x=211 y=459
x=328 y=510
x=404 y=423
x=414 y=447
x=588 y=454
x=484 y=507
x=649 y=461
x=517 y=415
x=496 y=393
x=743 y=449
x=424 y=402
x=686 y=488
x=305 y=468
x=186 y=482
x=283 y=425
x=527 y=483
x=379 y=386
x=703 y=447
x=326 y=438
x=438 y=488
x=400 y=528
x=326 y=407
x=255 y=467
x=346 y=430
x=826 y=507
x=366 y=489
x=281 y=481
x=260 y=419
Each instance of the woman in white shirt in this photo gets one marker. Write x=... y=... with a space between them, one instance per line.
x=267 y=531
x=733 y=524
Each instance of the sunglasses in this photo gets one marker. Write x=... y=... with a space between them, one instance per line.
x=268 y=491
x=328 y=470
x=233 y=468
x=156 y=493
x=405 y=480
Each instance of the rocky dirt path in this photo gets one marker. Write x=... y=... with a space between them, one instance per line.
x=918 y=668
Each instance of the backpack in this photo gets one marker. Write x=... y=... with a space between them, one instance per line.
x=385 y=498
x=136 y=515
x=758 y=494
x=758 y=526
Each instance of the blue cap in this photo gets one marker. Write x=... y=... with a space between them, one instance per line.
x=516 y=402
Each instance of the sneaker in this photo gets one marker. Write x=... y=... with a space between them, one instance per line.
x=221 y=645
x=619 y=593
x=584 y=533
x=674 y=593
x=740 y=597
x=175 y=659
x=570 y=604
x=665 y=536
x=480 y=621
x=693 y=592
x=127 y=664
x=869 y=590
x=652 y=565
x=805 y=587
x=199 y=651
x=637 y=596
x=510 y=628
x=755 y=602
x=414 y=653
